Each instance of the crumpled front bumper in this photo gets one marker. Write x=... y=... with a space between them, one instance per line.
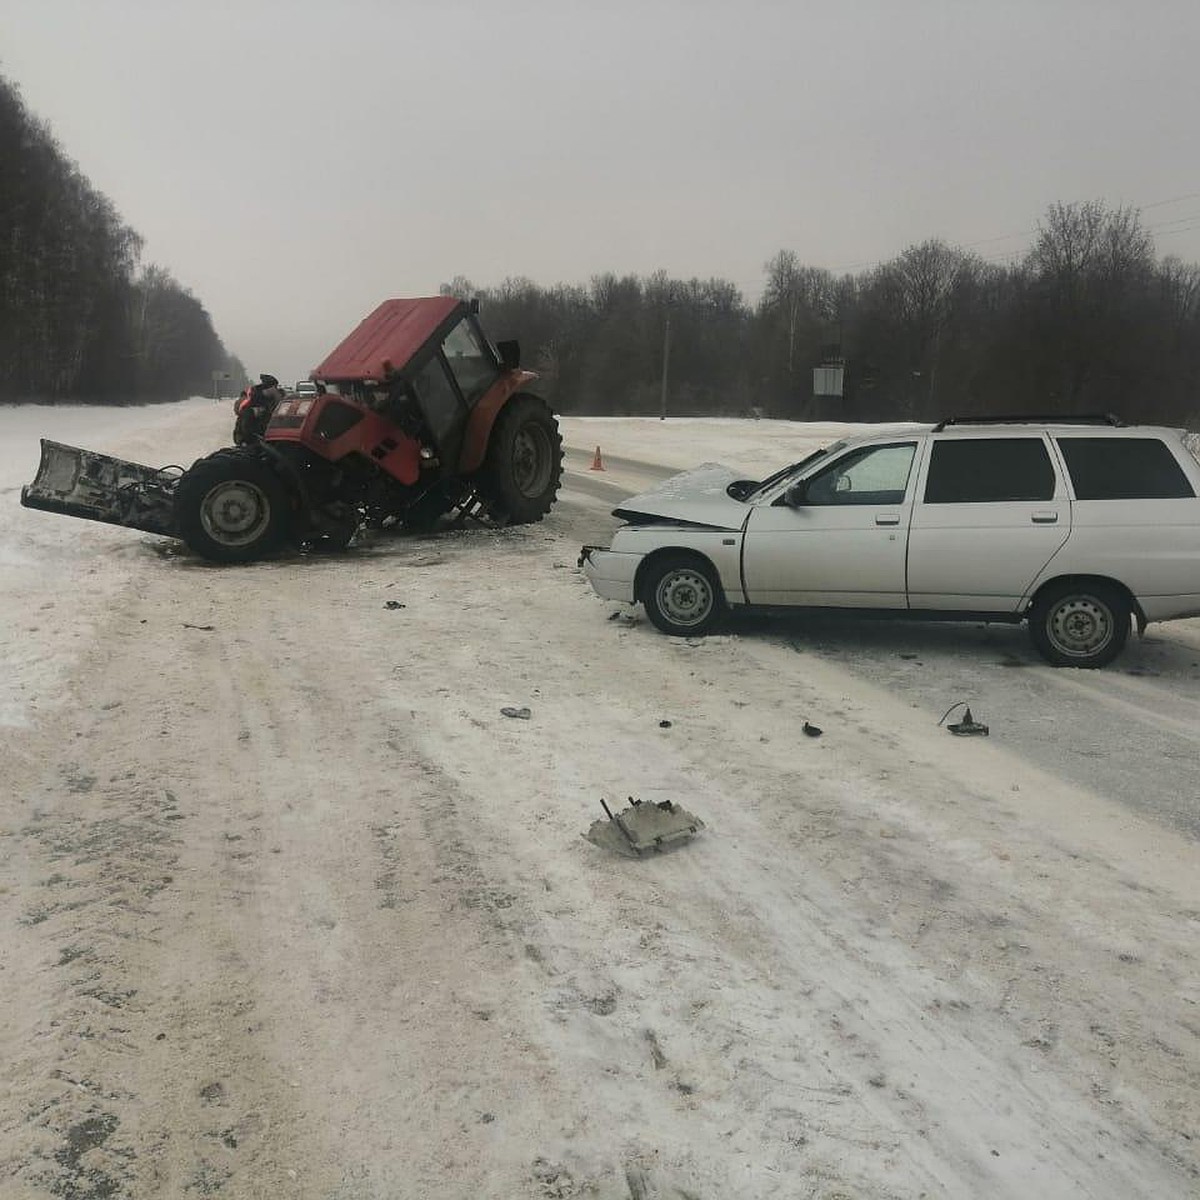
x=610 y=572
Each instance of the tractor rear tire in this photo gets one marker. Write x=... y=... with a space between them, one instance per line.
x=232 y=507
x=523 y=469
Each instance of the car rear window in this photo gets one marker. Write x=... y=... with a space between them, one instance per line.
x=989 y=470
x=1123 y=468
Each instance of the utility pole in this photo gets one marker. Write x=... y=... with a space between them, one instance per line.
x=662 y=413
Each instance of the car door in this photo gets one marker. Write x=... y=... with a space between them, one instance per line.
x=992 y=511
x=838 y=538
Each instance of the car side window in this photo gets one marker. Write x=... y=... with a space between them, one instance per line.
x=989 y=470
x=1123 y=468
x=873 y=475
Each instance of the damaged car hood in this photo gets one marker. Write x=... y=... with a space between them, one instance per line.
x=696 y=497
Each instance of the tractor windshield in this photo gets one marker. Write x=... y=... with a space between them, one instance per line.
x=470 y=360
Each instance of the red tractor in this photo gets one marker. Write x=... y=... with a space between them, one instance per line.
x=416 y=415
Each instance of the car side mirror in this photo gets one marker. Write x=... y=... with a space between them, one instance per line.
x=510 y=354
x=796 y=496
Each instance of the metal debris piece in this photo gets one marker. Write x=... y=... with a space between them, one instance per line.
x=521 y=714
x=643 y=828
x=968 y=726
x=812 y=730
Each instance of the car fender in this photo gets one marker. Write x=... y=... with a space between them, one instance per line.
x=483 y=417
x=722 y=548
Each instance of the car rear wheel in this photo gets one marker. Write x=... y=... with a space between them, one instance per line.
x=682 y=595
x=1079 y=624
x=231 y=507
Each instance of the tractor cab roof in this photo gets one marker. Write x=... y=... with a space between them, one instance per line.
x=386 y=341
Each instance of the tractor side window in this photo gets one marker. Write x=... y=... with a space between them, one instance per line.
x=470 y=360
x=439 y=401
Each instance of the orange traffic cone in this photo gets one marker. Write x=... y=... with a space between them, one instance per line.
x=597 y=461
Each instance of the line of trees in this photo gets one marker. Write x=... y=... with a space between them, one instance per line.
x=80 y=319
x=1089 y=320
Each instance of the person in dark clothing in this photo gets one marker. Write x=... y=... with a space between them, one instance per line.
x=255 y=408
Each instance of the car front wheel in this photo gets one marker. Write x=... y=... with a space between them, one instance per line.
x=682 y=595
x=1079 y=625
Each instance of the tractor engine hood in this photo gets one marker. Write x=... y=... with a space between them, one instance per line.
x=697 y=498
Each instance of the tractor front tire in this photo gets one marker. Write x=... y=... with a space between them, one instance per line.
x=232 y=507
x=523 y=469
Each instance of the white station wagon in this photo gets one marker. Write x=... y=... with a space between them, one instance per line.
x=1078 y=526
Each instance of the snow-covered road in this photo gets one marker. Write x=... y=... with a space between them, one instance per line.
x=288 y=909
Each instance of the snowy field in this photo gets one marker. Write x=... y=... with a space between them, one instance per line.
x=289 y=909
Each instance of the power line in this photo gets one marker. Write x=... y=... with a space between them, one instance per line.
x=1184 y=229
x=1176 y=221
x=1175 y=200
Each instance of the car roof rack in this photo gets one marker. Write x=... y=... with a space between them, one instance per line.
x=1034 y=419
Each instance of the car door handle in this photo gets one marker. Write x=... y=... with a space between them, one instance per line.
x=1044 y=518
x=887 y=518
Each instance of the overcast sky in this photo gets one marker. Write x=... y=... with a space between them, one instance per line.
x=294 y=163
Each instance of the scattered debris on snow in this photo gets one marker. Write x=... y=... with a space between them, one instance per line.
x=968 y=726
x=643 y=827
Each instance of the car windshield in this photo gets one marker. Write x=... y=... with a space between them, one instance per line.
x=790 y=469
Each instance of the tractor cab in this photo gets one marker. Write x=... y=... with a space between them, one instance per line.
x=423 y=365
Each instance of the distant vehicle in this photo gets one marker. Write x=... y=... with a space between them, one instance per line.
x=304 y=388
x=1077 y=526
x=419 y=415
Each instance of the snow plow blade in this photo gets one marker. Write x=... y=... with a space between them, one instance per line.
x=82 y=483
